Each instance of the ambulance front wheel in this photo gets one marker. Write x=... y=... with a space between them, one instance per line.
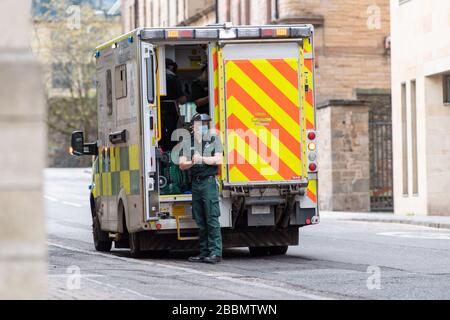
x=101 y=239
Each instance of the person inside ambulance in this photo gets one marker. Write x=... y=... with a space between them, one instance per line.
x=170 y=114
x=200 y=91
x=206 y=153
x=173 y=84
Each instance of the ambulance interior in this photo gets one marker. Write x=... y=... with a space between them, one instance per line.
x=190 y=59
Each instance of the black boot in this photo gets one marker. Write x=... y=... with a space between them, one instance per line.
x=213 y=259
x=197 y=259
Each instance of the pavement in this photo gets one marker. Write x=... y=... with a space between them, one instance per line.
x=439 y=222
x=343 y=257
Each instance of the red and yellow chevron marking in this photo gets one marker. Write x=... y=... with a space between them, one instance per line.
x=311 y=192
x=263 y=120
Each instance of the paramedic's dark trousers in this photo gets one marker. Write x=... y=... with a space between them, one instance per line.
x=206 y=212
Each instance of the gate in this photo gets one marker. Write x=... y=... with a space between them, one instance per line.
x=381 y=190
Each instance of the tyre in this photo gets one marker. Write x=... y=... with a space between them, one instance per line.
x=101 y=238
x=135 y=246
x=268 y=251
x=278 y=251
x=259 y=251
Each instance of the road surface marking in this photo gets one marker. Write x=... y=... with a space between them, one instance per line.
x=121 y=289
x=417 y=235
x=255 y=282
x=72 y=204
x=51 y=199
x=66 y=275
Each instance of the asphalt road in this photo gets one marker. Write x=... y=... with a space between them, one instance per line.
x=335 y=260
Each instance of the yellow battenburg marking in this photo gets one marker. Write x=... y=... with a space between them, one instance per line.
x=133 y=152
x=278 y=80
x=104 y=184
x=235 y=142
x=263 y=99
x=271 y=141
x=95 y=190
x=125 y=181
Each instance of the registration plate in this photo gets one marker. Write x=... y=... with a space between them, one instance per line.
x=261 y=210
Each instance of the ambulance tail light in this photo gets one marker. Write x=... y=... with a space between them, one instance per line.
x=275 y=32
x=312 y=151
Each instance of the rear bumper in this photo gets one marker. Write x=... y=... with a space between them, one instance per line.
x=250 y=237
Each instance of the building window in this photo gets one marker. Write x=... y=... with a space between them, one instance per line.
x=404 y=142
x=447 y=89
x=415 y=182
x=121 y=81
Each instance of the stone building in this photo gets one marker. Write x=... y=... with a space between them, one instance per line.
x=421 y=106
x=23 y=265
x=352 y=83
x=165 y=13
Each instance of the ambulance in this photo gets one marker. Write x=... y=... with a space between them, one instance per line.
x=260 y=88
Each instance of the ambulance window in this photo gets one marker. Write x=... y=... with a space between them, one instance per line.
x=150 y=80
x=121 y=81
x=109 y=95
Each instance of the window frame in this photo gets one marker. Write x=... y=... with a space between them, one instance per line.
x=121 y=82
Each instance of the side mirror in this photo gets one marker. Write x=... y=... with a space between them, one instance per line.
x=77 y=145
x=79 y=148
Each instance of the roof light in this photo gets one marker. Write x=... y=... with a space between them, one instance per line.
x=301 y=32
x=182 y=33
x=206 y=33
x=248 y=33
x=130 y=39
x=275 y=32
x=152 y=34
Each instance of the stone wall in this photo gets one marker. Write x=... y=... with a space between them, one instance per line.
x=344 y=178
x=23 y=153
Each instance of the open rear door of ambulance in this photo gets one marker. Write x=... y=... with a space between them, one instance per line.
x=262 y=113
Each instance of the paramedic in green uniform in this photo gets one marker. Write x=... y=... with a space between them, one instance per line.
x=205 y=156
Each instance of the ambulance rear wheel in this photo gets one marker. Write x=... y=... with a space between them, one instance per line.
x=135 y=246
x=278 y=251
x=268 y=251
x=101 y=239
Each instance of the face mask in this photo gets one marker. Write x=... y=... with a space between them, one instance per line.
x=203 y=130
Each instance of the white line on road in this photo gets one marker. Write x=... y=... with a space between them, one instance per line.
x=72 y=204
x=51 y=199
x=121 y=289
x=255 y=282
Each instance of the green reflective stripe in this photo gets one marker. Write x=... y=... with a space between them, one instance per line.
x=124 y=159
x=117 y=169
x=135 y=182
x=115 y=183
